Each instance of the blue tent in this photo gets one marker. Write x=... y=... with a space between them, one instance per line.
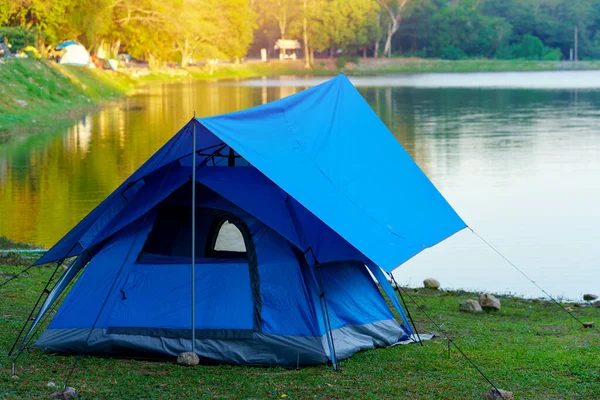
x=321 y=197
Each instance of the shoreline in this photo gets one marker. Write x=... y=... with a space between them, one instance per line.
x=41 y=94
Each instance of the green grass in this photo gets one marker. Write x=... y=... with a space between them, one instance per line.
x=52 y=93
x=529 y=347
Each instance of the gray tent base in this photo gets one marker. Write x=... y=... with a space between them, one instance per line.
x=255 y=349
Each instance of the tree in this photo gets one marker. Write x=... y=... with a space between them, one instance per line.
x=282 y=12
x=307 y=60
x=394 y=9
x=90 y=28
x=237 y=23
x=345 y=24
x=144 y=26
x=463 y=30
x=194 y=29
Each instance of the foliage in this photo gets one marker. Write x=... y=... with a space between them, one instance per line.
x=19 y=37
x=530 y=48
x=452 y=53
x=560 y=359
x=155 y=30
x=345 y=24
x=167 y=31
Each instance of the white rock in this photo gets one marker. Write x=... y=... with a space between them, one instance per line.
x=431 y=283
x=22 y=103
x=489 y=302
x=189 y=359
x=51 y=384
x=470 y=306
x=503 y=395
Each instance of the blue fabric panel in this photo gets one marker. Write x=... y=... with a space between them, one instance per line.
x=286 y=305
x=175 y=149
x=85 y=300
x=158 y=296
x=327 y=244
x=389 y=291
x=352 y=296
x=57 y=290
x=254 y=193
x=151 y=194
x=327 y=148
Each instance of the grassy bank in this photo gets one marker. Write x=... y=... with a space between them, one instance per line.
x=39 y=94
x=36 y=94
x=529 y=347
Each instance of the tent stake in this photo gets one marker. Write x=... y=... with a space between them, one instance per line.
x=194 y=237
x=396 y=287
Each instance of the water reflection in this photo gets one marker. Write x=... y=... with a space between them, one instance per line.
x=522 y=167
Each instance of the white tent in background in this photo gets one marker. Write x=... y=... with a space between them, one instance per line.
x=74 y=53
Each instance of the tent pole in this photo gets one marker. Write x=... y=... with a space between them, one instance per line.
x=327 y=322
x=194 y=237
x=44 y=291
x=397 y=288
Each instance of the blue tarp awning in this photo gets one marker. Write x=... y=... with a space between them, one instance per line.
x=326 y=149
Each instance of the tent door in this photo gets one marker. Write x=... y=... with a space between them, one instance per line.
x=155 y=299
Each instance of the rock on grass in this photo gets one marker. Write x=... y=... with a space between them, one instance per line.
x=470 y=306
x=431 y=283
x=489 y=302
x=188 y=359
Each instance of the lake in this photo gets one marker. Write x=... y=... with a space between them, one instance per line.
x=516 y=154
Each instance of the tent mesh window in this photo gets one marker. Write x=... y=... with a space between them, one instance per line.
x=170 y=238
x=226 y=241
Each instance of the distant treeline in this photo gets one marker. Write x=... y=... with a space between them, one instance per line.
x=184 y=31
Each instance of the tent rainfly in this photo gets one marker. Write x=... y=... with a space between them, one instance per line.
x=321 y=194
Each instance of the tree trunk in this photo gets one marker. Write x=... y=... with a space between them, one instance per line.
x=364 y=52
x=378 y=38
x=305 y=38
x=152 y=61
x=114 y=48
x=393 y=25
x=185 y=54
x=283 y=23
x=392 y=28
